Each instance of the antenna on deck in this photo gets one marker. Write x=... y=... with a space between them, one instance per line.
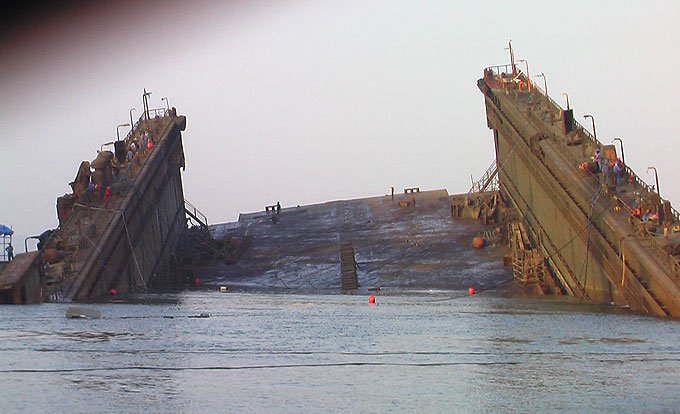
x=512 y=58
x=145 y=102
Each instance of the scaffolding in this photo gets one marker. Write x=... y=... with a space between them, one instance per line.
x=6 y=246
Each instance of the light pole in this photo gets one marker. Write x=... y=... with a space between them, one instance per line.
x=656 y=179
x=658 y=193
x=567 y=96
x=586 y=116
x=26 y=242
x=545 y=83
x=623 y=155
x=132 y=122
x=512 y=58
x=118 y=130
x=167 y=105
x=101 y=147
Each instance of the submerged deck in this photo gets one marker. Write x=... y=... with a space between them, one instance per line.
x=409 y=242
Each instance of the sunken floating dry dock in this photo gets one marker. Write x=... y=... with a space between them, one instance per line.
x=570 y=228
x=577 y=231
x=118 y=228
x=406 y=241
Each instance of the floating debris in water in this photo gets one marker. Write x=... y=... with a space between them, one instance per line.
x=75 y=312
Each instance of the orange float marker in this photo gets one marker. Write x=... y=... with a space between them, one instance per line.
x=478 y=242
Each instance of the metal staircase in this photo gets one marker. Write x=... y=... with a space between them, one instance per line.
x=528 y=265
x=488 y=180
x=348 y=267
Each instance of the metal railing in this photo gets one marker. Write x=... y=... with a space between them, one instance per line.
x=500 y=70
x=487 y=179
x=195 y=213
x=158 y=113
x=5 y=242
x=153 y=114
x=496 y=69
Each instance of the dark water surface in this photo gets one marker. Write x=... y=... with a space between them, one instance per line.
x=413 y=352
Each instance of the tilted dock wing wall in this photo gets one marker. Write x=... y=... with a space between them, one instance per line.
x=134 y=251
x=574 y=224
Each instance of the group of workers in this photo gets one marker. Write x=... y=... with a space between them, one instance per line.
x=95 y=187
x=137 y=148
x=615 y=167
x=607 y=166
x=94 y=193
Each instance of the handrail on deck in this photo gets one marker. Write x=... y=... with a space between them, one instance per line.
x=496 y=69
x=158 y=113
x=153 y=114
x=195 y=212
x=507 y=69
x=486 y=180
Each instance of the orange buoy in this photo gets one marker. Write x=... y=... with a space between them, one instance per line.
x=371 y=299
x=478 y=242
x=471 y=291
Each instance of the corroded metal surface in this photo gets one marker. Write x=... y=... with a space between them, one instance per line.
x=411 y=241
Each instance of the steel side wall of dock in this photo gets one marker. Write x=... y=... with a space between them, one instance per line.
x=574 y=220
x=550 y=210
x=150 y=220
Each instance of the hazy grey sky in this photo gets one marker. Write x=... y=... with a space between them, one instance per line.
x=309 y=101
